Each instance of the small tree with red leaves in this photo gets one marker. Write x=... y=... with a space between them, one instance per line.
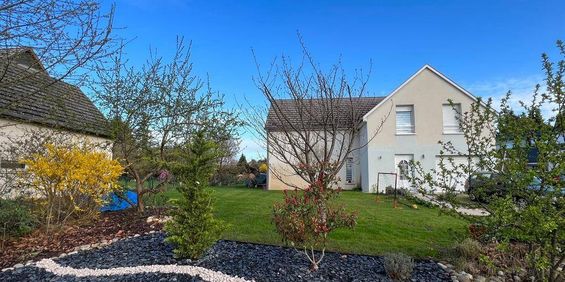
x=306 y=217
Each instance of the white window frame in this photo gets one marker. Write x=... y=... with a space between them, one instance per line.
x=451 y=127
x=406 y=129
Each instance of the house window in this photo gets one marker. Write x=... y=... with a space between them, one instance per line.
x=451 y=116
x=349 y=171
x=404 y=119
x=8 y=164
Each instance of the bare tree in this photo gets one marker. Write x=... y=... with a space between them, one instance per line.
x=155 y=109
x=42 y=43
x=314 y=123
x=314 y=118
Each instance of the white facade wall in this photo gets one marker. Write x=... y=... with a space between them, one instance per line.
x=278 y=169
x=427 y=92
x=10 y=130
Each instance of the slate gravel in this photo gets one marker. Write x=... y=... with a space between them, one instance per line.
x=250 y=261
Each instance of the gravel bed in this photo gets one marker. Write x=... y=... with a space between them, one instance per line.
x=30 y=273
x=250 y=261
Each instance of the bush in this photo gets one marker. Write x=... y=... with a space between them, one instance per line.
x=193 y=228
x=15 y=219
x=469 y=249
x=398 y=266
x=306 y=218
x=69 y=181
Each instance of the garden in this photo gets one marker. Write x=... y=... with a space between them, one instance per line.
x=162 y=196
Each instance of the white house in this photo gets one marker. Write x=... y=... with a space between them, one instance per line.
x=34 y=105
x=419 y=116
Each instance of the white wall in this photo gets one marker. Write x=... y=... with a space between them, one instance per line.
x=280 y=173
x=427 y=92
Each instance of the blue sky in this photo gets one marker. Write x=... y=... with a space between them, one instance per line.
x=488 y=47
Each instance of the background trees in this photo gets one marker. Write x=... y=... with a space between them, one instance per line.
x=155 y=109
x=527 y=162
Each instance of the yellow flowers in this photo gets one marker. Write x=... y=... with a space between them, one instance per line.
x=70 y=179
x=263 y=168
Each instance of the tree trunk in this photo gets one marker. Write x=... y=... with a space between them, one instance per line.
x=313 y=267
x=139 y=190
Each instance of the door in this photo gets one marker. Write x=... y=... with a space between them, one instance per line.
x=403 y=171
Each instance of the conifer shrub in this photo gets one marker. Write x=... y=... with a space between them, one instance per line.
x=193 y=228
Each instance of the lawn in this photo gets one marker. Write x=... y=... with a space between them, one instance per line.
x=418 y=232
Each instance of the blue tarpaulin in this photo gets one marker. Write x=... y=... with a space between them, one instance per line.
x=115 y=203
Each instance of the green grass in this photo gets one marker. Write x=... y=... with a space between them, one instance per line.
x=418 y=232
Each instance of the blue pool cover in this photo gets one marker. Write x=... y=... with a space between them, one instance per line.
x=115 y=203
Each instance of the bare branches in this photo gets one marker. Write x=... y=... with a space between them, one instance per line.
x=156 y=109
x=66 y=36
x=314 y=115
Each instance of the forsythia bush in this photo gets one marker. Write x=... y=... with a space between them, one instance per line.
x=263 y=168
x=193 y=228
x=69 y=181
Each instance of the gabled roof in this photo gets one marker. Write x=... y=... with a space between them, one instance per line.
x=425 y=67
x=307 y=114
x=30 y=95
x=313 y=109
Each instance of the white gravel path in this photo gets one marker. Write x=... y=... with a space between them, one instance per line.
x=206 y=274
x=461 y=210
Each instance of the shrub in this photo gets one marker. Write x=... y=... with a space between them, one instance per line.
x=398 y=266
x=469 y=249
x=193 y=228
x=15 y=219
x=69 y=181
x=305 y=219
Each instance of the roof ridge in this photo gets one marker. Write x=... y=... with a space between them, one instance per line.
x=343 y=98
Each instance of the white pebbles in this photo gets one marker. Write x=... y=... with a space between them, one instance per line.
x=206 y=274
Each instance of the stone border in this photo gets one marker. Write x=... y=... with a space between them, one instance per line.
x=81 y=248
x=206 y=274
x=51 y=266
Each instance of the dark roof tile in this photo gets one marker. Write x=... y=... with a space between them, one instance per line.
x=311 y=114
x=33 y=96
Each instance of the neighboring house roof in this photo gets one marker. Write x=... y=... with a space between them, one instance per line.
x=31 y=95
x=425 y=67
x=308 y=114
